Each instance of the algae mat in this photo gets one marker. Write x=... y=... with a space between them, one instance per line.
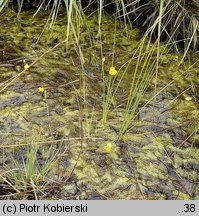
x=40 y=118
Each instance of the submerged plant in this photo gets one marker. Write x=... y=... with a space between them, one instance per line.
x=121 y=89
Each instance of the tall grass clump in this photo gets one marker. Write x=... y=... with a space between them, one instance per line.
x=141 y=76
x=179 y=21
x=169 y=21
x=30 y=177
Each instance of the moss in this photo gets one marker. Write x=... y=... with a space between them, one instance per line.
x=28 y=117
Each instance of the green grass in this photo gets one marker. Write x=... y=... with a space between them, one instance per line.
x=32 y=175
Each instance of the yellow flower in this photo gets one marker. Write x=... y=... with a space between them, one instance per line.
x=103 y=59
x=41 y=89
x=112 y=71
x=108 y=147
x=188 y=98
x=26 y=66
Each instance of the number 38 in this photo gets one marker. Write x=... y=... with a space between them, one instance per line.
x=189 y=207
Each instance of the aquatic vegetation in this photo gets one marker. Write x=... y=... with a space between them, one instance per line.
x=33 y=172
x=108 y=95
x=112 y=100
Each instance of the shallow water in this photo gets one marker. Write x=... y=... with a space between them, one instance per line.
x=156 y=159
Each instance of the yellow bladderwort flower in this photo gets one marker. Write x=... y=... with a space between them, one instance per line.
x=108 y=147
x=188 y=98
x=112 y=71
x=26 y=66
x=41 y=89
